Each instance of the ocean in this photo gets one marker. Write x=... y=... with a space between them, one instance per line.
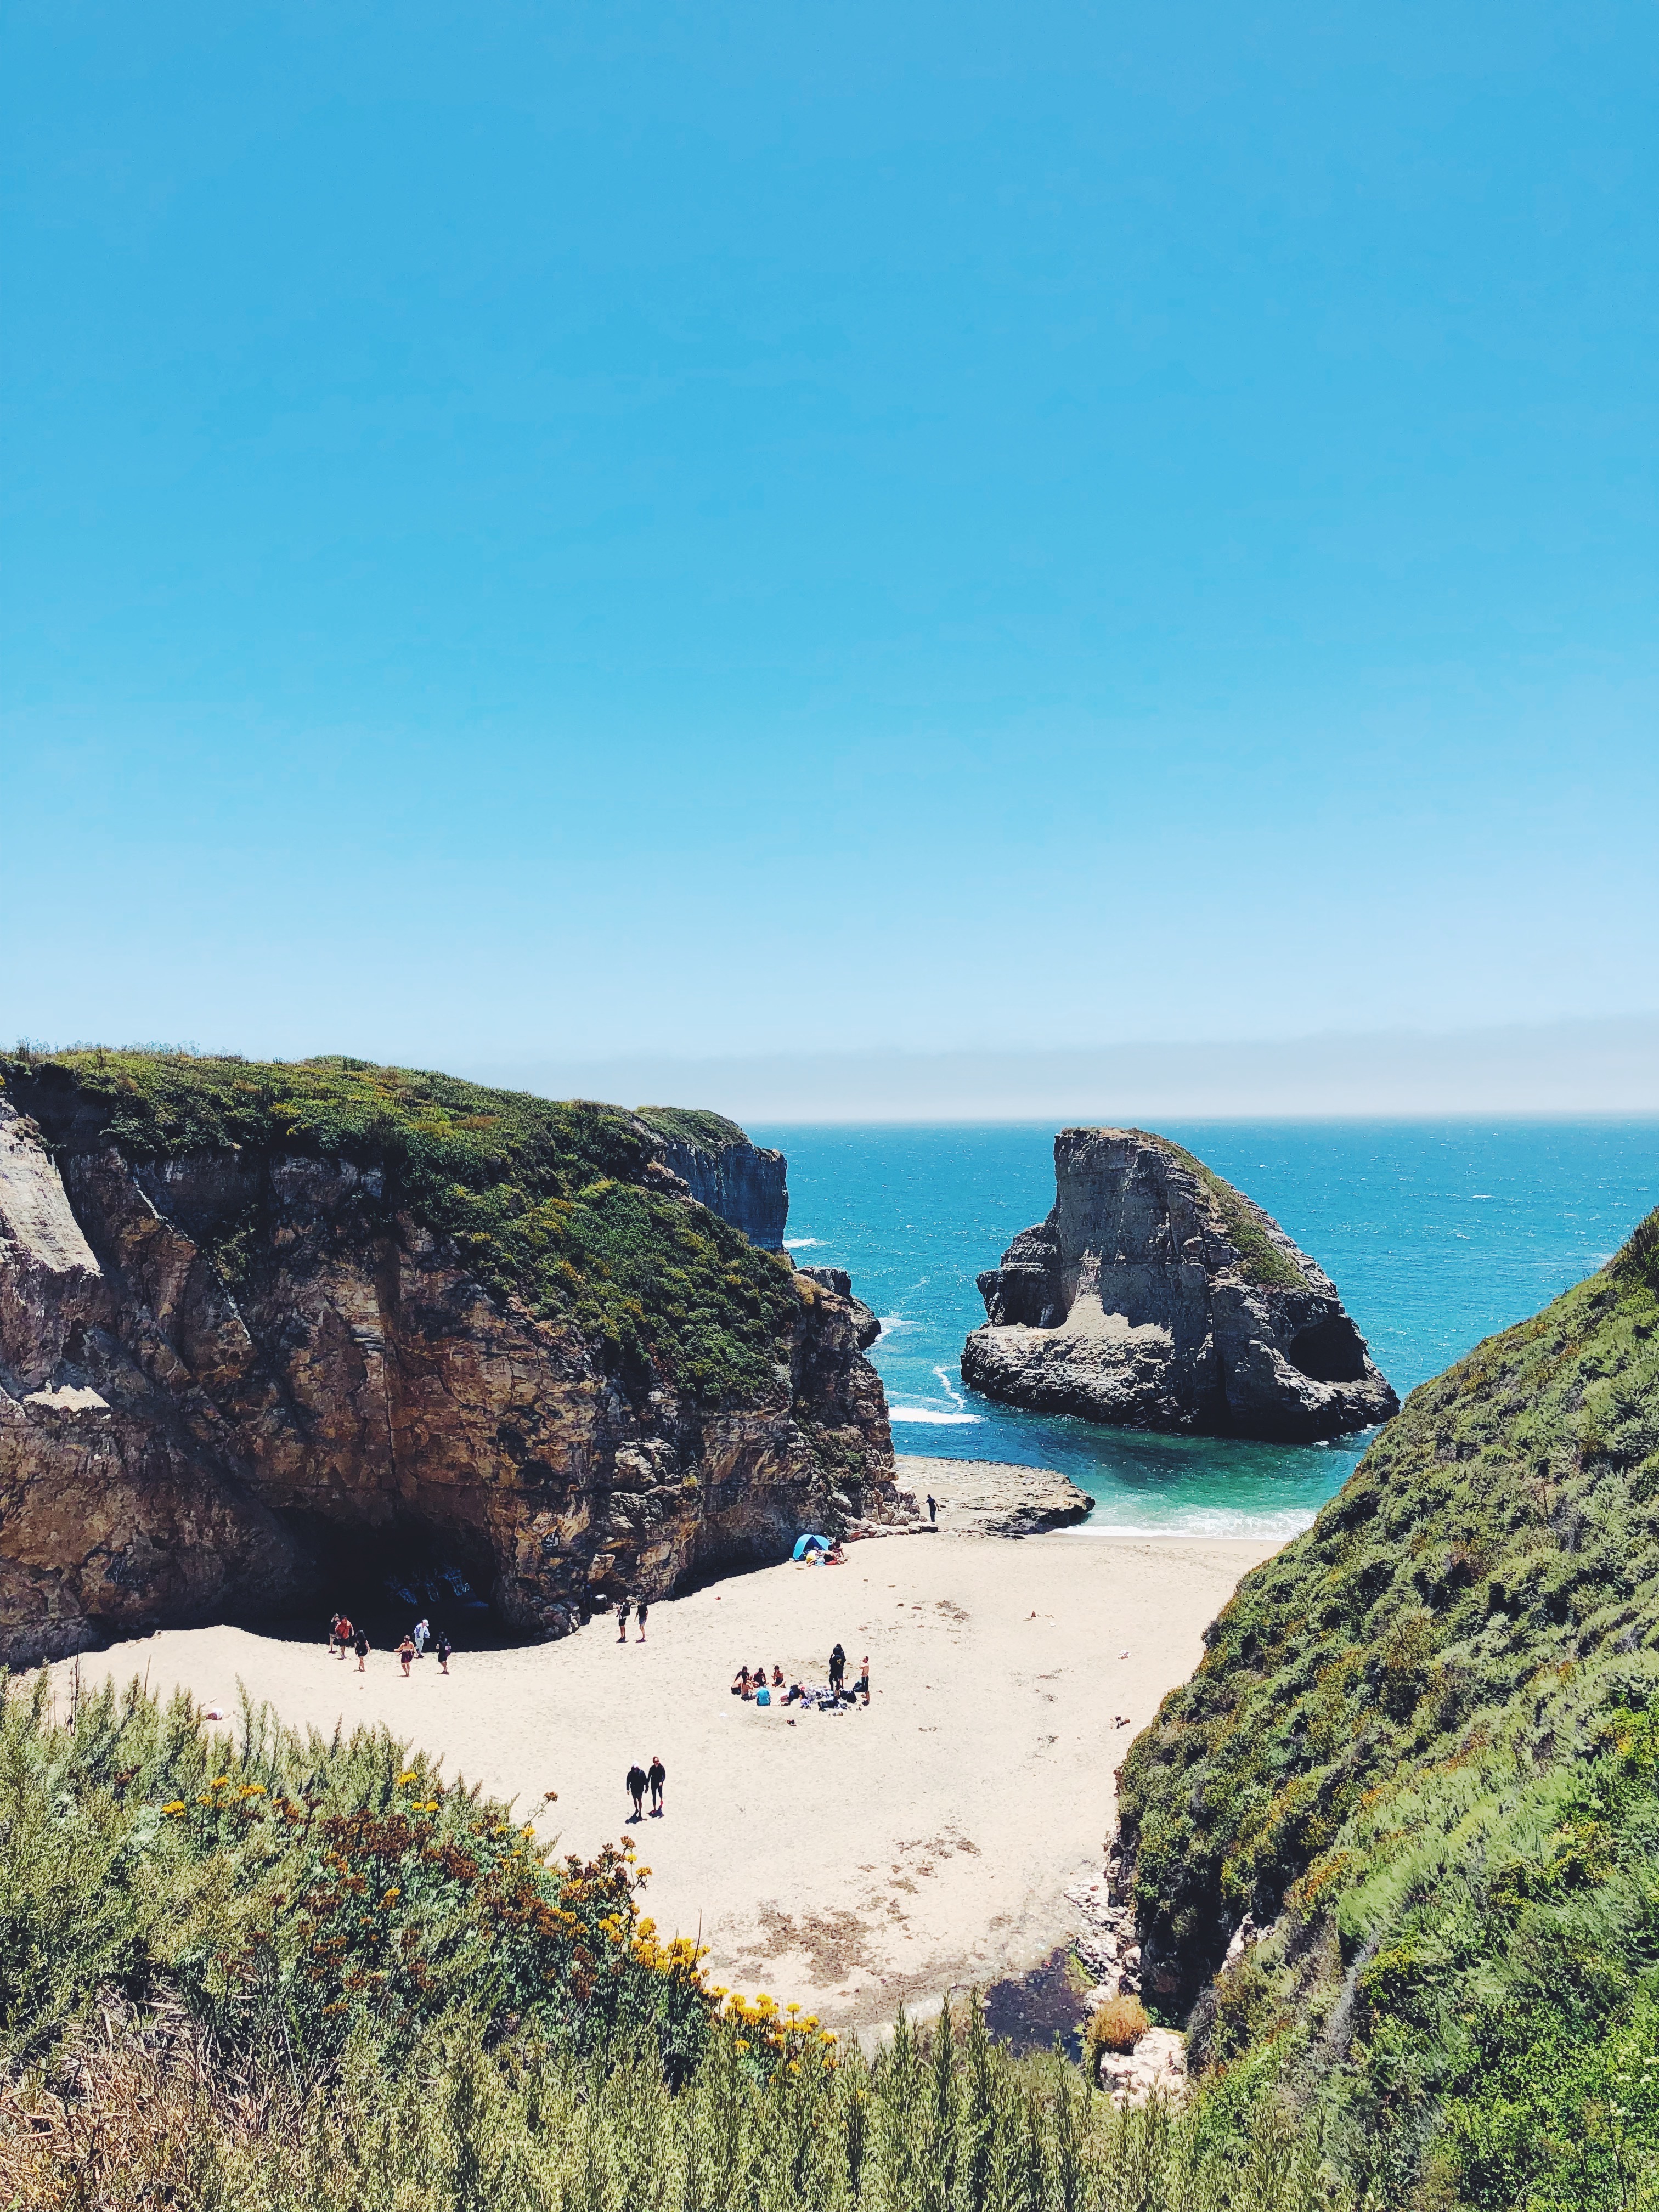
x=1436 y=1234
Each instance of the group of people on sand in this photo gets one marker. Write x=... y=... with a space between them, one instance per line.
x=344 y=1635
x=640 y=1612
x=757 y=1686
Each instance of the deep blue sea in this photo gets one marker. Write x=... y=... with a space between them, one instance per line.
x=1436 y=1233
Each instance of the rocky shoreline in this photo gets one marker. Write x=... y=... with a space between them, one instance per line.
x=991 y=1497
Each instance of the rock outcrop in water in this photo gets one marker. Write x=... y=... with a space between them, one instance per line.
x=1156 y=1296
x=745 y=1184
x=265 y=1333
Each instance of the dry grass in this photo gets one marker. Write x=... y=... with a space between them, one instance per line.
x=1118 y=2025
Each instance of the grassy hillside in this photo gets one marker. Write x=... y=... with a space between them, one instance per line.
x=541 y=1199
x=255 y=1972
x=1422 y=1754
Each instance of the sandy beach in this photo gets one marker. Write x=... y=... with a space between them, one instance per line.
x=850 y=1861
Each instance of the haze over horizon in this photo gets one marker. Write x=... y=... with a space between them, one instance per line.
x=898 y=547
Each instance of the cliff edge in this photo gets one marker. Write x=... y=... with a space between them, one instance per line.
x=1156 y=1296
x=746 y=1184
x=267 y=1330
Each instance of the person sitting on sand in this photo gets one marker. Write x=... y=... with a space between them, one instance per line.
x=406 y=1652
x=740 y=1685
x=777 y=1678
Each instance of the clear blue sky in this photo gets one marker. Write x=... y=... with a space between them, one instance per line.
x=589 y=528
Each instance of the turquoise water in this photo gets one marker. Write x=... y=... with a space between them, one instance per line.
x=1434 y=1233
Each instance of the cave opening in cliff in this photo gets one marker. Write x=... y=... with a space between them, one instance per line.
x=386 y=1576
x=1332 y=1351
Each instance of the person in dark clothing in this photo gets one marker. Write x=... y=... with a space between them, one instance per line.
x=640 y=1612
x=837 y=1669
x=622 y=1622
x=933 y=1507
x=443 y=1647
x=361 y=1647
x=637 y=1781
x=657 y=1774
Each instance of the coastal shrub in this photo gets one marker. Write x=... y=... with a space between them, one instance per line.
x=256 y=1971
x=1422 y=1752
x=1117 y=2025
x=541 y=1199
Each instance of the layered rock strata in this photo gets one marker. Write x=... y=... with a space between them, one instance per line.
x=1156 y=1296
x=175 y=1449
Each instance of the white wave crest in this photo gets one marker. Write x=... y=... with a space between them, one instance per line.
x=800 y=1243
x=933 y=1415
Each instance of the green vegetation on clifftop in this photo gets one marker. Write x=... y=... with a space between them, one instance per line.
x=1239 y=1219
x=694 y=1125
x=1422 y=1753
x=542 y=1200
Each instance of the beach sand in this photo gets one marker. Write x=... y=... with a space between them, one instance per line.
x=852 y=1861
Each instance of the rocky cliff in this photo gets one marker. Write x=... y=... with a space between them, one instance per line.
x=265 y=1329
x=866 y=1325
x=745 y=1184
x=1156 y=1296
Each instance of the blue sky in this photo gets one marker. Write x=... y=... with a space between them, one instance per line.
x=573 y=530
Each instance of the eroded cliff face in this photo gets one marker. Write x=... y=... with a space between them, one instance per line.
x=746 y=1184
x=865 y=1322
x=174 y=1448
x=1156 y=1296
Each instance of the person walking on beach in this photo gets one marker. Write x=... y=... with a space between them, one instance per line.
x=637 y=1781
x=443 y=1647
x=361 y=1647
x=862 y=1685
x=657 y=1774
x=343 y=1635
x=837 y=1669
x=622 y=1622
x=933 y=1507
x=406 y=1652
x=640 y=1612
x=422 y=1632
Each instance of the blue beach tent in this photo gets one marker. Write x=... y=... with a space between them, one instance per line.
x=806 y=1544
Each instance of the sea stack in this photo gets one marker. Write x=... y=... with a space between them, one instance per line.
x=1156 y=1296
